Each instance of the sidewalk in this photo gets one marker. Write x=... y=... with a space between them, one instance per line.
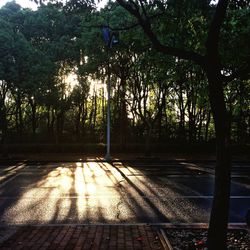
x=82 y=237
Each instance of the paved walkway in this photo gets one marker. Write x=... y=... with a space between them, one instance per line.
x=82 y=237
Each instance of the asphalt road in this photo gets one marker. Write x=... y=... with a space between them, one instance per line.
x=98 y=192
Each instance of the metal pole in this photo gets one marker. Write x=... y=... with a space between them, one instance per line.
x=108 y=157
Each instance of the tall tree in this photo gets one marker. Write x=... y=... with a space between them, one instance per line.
x=210 y=62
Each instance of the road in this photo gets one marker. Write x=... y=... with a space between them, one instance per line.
x=133 y=192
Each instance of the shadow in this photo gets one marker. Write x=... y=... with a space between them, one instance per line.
x=164 y=202
x=98 y=192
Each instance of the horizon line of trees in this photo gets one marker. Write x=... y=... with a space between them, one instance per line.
x=154 y=99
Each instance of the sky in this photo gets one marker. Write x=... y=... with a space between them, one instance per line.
x=32 y=5
x=23 y=3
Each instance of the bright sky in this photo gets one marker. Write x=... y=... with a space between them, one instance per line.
x=23 y=3
x=32 y=5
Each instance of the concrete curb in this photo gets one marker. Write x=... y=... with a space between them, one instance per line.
x=164 y=240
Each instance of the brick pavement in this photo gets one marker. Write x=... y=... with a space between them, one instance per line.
x=83 y=237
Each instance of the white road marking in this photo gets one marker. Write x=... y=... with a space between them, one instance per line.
x=119 y=196
x=202 y=175
x=197 y=197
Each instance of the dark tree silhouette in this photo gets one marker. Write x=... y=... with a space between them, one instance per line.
x=211 y=64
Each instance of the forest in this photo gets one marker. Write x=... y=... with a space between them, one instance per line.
x=54 y=67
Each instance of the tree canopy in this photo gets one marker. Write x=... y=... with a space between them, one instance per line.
x=51 y=55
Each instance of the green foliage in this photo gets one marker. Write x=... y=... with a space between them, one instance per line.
x=152 y=95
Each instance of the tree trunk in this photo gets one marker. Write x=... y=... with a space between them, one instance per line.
x=191 y=127
x=207 y=125
x=148 y=141
x=217 y=232
x=77 y=123
x=52 y=122
x=3 y=121
x=202 y=114
x=19 y=117
x=123 y=114
x=241 y=125
x=182 y=132
x=95 y=112
x=249 y=126
x=48 y=120
x=33 y=116
x=162 y=111
x=59 y=125
x=3 y=111
x=3 y=129
x=83 y=120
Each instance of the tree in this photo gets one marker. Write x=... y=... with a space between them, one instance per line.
x=79 y=98
x=210 y=61
x=6 y=70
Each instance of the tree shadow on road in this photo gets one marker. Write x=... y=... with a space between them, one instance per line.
x=92 y=192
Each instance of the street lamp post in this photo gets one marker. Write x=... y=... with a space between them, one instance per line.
x=108 y=156
x=110 y=40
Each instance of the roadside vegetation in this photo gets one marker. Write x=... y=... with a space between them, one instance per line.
x=53 y=71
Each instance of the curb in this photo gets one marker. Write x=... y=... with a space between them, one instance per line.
x=164 y=240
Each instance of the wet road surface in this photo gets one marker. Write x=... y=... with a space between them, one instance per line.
x=99 y=192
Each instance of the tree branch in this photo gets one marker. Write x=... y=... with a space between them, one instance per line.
x=168 y=50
